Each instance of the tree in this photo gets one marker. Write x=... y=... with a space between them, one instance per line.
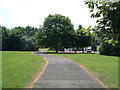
x=108 y=14
x=5 y=36
x=58 y=30
x=40 y=37
x=108 y=28
x=82 y=38
x=19 y=38
x=30 y=31
x=27 y=44
x=14 y=42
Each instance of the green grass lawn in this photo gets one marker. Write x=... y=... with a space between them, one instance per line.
x=105 y=68
x=18 y=68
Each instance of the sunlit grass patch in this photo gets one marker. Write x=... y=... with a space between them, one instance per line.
x=105 y=68
x=18 y=68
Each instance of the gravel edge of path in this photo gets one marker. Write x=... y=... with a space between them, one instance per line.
x=86 y=69
x=37 y=76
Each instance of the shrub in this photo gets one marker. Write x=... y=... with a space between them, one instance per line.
x=27 y=45
x=109 y=49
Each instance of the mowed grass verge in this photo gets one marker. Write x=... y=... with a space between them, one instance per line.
x=104 y=68
x=19 y=68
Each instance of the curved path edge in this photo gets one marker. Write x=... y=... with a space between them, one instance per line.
x=39 y=74
x=88 y=71
x=64 y=73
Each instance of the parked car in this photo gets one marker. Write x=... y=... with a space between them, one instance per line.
x=89 y=50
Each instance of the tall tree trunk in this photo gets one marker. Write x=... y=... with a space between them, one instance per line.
x=94 y=45
x=94 y=48
x=82 y=50
x=75 y=51
x=56 y=42
x=56 y=50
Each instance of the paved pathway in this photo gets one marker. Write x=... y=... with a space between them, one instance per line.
x=63 y=73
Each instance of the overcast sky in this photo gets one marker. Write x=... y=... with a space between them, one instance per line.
x=33 y=12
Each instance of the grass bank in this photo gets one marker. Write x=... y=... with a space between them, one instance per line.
x=105 y=68
x=18 y=68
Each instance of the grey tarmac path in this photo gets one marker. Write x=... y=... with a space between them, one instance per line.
x=64 y=73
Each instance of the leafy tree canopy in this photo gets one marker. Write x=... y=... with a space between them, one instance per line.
x=108 y=14
x=58 y=30
x=82 y=37
x=18 y=38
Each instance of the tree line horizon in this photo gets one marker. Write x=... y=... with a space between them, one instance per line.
x=18 y=35
x=58 y=32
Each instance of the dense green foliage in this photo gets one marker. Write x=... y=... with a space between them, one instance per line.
x=104 y=68
x=19 y=38
x=58 y=33
x=108 y=28
x=82 y=38
x=19 y=68
x=109 y=49
x=58 y=30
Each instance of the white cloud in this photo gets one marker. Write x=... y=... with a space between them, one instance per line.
x=33 y=12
